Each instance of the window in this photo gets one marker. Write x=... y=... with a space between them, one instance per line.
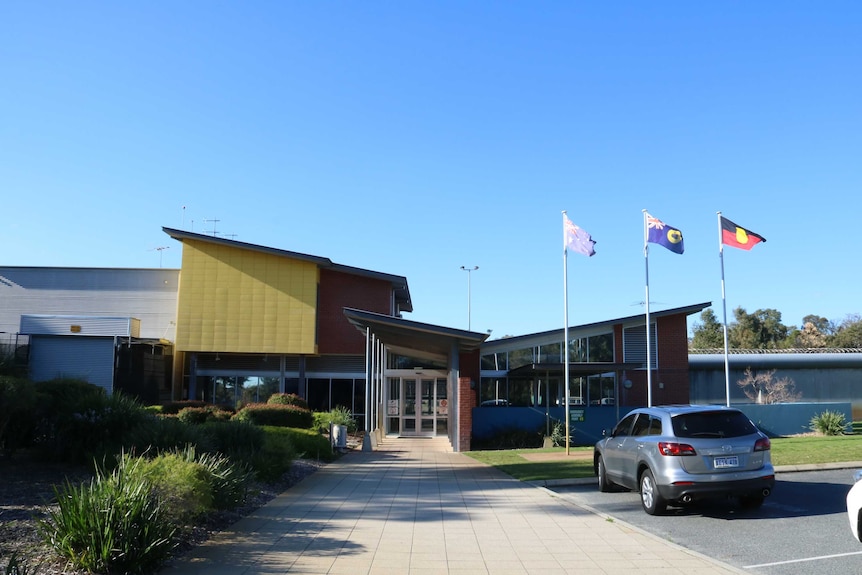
x=601 y=347
x=602 y=389
x=521 y=357
x=342 y=394
x=318 y=394
x=495 y=362
x=647 y=425
x=624 y=427
x=713 y=424
x=493 y=389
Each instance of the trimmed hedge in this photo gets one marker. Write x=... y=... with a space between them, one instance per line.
x=200 y=415
x=276 y=415
x=287 y=399
x=174 y=407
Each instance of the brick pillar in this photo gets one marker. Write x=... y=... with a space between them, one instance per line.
x=466 y=403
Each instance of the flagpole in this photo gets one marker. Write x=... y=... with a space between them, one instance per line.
x=724 y=316
x=566 y=331
x=646 y=263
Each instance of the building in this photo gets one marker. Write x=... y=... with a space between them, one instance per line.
x=238 y=322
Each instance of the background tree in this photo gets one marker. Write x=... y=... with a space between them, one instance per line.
x=763 y=387
x=808 y=337
x=823 y=325
x=759 y=330
x=849 y=333
x=709 y=334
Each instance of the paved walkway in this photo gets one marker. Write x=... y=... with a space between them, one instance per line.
x=414 y=507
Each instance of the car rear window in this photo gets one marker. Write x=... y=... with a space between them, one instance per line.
x=712 y=424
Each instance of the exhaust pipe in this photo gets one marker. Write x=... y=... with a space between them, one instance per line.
x=686 y=498
x=766 y=492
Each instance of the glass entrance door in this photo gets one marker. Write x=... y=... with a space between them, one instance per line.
x=424 y=407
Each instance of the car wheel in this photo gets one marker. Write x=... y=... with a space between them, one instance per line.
x=751 y=501
x=601 y=472
x=652 y=501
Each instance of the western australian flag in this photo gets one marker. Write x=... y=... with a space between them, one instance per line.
x=660 y=233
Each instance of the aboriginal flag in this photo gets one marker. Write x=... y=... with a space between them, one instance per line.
x=738 y=237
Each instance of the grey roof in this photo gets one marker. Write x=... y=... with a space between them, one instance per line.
x=408 y=337
x=507 y=343
x=715 y=361
x=399 y=283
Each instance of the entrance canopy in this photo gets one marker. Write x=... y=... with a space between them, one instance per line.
x=413 y=338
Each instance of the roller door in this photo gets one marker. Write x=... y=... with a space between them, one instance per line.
x=88 y=358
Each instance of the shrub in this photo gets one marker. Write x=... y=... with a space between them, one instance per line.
x=276 y=414
x=337 y=416
x=68 y=393
x=228 y=481
x=276 y=455
x=238 y=440
x=558 y=434
x=92 y=425
x=287 y=399
x=174 y=407
x=167 y=433
x=199 y=415
x=17 y=413
x=308 y=443
x=113 y=524
x=829 y=423
x=181 y=484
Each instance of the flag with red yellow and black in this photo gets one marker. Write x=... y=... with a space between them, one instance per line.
x=737 y=236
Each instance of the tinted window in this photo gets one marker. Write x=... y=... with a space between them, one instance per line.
x=641 y=425
x=713 y=424
x=624 y=426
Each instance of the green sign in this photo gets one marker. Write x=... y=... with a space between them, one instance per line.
x=577 y=415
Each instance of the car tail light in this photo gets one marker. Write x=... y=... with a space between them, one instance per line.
x=672 y=448
x=762 y=444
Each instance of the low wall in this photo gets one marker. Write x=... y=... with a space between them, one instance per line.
x=778 y=419
x=489 y=421
x=781 y=419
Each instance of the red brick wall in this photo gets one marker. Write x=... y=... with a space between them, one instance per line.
x=673 y=361
x=670 y=382
x=466 y=403
x=339 y=290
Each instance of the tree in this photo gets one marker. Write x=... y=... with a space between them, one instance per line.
x=823 y=325
x=849 y=333
x=764 y=388
x=809 y=337
x=709 y=334
x=760 y=330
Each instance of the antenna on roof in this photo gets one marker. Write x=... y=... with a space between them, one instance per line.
x=214 y=221
x=160 y=249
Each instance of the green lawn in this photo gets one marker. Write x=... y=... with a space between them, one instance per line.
x=785 y=451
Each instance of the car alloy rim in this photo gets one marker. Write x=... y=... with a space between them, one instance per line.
x=647 y=491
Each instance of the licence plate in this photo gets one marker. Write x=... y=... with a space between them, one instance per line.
x=724 y=462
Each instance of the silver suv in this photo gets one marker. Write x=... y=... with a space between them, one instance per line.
x=674 y=455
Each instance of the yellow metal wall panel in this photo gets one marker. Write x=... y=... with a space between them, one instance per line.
x=243 y=301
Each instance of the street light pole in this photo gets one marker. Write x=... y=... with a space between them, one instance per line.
x=469 y=270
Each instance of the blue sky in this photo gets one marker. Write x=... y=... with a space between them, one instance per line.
x=415 y=138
